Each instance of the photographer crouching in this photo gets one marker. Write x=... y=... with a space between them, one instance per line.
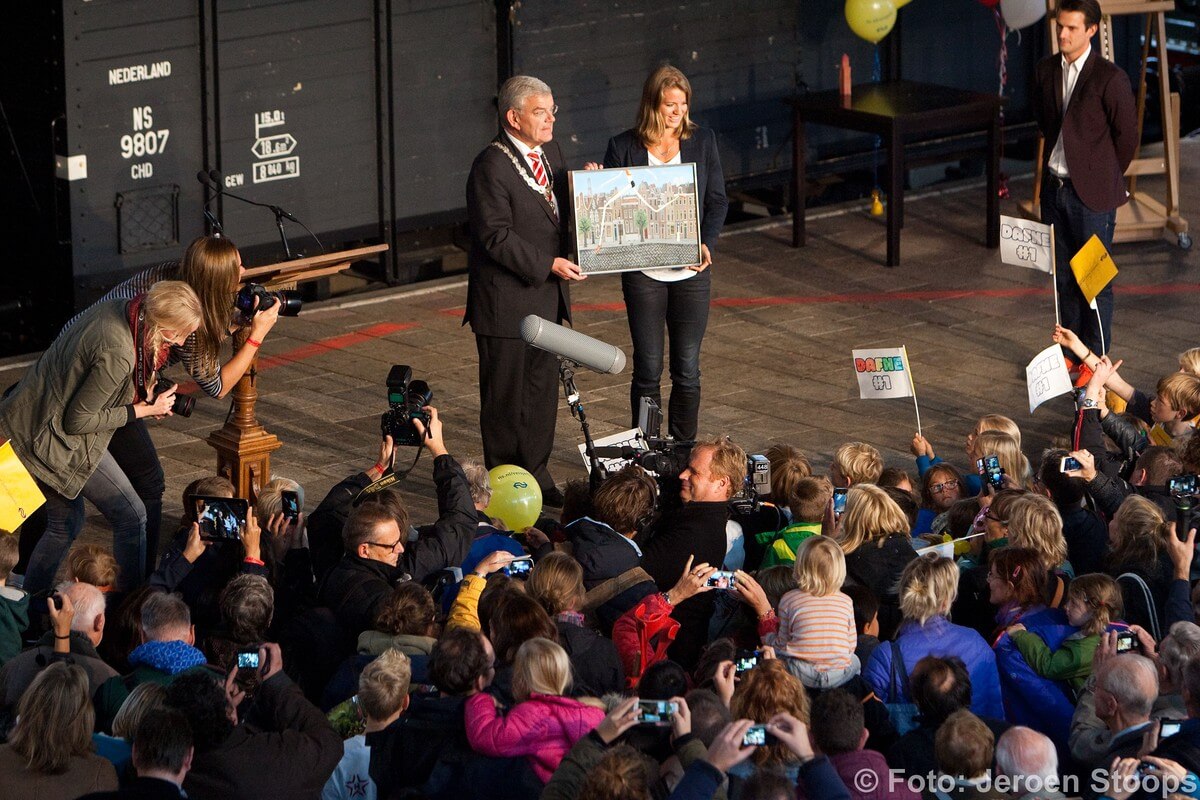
x=699 y=530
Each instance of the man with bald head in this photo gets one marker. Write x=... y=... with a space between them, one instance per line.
x=87 y=630
x=1120 y=696
x=1030 y=760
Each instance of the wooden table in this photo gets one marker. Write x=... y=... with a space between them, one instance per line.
x=900 y=112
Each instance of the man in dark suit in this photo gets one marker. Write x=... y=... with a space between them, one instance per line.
x=517 y=204
x=1085 y=109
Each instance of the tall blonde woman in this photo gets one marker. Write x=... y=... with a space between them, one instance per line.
x=874 y=534
x=1035 y=522
x=212 y=266
x=97 y=376
x=676 y=299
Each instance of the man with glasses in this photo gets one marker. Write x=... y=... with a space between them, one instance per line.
x=377 y=551
x=517 y=207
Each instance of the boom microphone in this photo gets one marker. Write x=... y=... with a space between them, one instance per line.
x=572 y=345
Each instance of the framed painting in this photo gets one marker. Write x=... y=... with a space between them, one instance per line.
x=634 y=218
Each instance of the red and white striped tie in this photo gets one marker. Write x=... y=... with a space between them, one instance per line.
x=538 y=171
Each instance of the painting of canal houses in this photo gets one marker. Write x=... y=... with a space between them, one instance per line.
x=636 y=218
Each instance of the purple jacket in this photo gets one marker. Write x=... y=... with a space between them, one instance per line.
x=940 y=637
x=542 y=729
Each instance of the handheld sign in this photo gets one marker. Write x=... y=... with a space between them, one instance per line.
x=1024 y=243
x=1046 y=376
x=884 y=373
x=1093 y=268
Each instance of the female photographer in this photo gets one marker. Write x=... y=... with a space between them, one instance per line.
x=98 y=375
x=213 y=268
x=677 y=298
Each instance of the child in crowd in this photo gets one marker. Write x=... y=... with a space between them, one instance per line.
x=544 y=724
x=816 y=638
x=91 y=563
x=941 y=485
x=382 y=696
x=856 y=462
x=807 y=504
x=1093 y=604
x=972 y=485
x=866 y=620
x=14 y=603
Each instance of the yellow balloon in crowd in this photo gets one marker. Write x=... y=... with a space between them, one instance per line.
x=516 y=497
x=871 y=19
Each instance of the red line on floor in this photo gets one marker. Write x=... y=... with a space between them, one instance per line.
x=329 y=345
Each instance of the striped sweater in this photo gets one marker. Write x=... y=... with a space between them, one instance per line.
x=140 y=283
x=817 y=630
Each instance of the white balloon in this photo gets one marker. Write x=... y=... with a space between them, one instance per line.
x=1022 y=13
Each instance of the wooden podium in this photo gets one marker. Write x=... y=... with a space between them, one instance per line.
x=243 y=445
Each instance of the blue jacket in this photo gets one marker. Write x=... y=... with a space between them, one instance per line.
x=940 y=637
x=1029 y=699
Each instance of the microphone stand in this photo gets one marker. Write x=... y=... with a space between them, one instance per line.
x=566 y=375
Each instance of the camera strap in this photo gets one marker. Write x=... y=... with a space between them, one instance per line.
x=388 y=479
x=141 y=372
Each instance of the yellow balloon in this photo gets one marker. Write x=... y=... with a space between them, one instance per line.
x=871 y=19
x=900 y=3
x=516 y=497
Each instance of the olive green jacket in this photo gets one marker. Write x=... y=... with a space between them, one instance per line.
x=63 y=413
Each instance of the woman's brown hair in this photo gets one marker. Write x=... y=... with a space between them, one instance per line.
x=517 y=619
x=1139 y=534
x=211 y=266
x=54 y=720
x=408 y=610
x=762 y=693
x=650 y=127
x=557 y=583
x=1022 y=568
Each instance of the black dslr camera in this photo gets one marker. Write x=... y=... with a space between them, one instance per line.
x=184 y=403
x=289 y=301
x=406 y=401
x=1183 y=494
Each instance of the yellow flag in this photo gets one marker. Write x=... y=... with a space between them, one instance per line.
x=1093 y=268
x=19 y=494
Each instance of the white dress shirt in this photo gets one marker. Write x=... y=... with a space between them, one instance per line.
x=1070 y=74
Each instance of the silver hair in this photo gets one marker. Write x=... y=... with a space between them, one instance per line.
x=163 y=615
x=88 y=602
x=1179 y=647
x=270 y=498
x=479 y=481
x=515 y=91
x=1023 y=753
x=1132 y=680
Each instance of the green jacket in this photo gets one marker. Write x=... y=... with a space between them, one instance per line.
x=14 y=618
x=1072 y=662
x=64 y=411
x=783 y=549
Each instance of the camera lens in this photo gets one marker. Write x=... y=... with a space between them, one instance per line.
x=183 y=406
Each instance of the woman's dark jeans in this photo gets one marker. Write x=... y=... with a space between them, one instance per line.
x=133 y=450
x=683 y=307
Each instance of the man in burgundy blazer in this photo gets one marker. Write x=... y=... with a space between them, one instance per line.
x=517 y=204
x=1085 y=109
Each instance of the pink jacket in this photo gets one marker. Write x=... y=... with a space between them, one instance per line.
x=542 y=729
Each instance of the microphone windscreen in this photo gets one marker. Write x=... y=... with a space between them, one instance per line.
x=572 y=345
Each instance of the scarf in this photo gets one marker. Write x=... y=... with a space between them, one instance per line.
x=169 y=657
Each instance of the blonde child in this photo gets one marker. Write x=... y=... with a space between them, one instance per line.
x=817 y=637
x=544 y=724
x=1093 y=603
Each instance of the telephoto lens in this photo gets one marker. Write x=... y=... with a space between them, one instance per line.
x=184 y=403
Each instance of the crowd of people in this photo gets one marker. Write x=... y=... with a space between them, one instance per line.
x=859 y=632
